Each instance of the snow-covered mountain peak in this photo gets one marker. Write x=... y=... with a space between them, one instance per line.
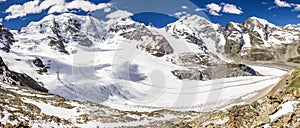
x=65 y=20
x=193 y=25
x=190 y=19
x=232 y=26
x=58 y=31
x=258 y=22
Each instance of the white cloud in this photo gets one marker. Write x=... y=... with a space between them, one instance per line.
x=107 y=9
x=1 y=20
x=179 y=14
x=58 y=8
x=22 y=10
x=2 y=1
x=35 y=6
x=214 y=9
x=184 y=7
x=230 y=8
x=282 y=3
x=297 y=7
x=199 y=9
x=119 y=14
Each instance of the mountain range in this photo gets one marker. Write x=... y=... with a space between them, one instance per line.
x=71 y=70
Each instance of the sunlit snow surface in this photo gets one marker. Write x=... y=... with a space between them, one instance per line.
x=287 y=107
x=117 y=74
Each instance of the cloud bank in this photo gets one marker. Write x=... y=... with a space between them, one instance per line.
x=59 y=6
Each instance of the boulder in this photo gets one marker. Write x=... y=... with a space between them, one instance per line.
x=38 y=62
x=188 y=74
x=191 y=58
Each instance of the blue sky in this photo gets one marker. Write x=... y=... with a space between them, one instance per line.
x=15 y=14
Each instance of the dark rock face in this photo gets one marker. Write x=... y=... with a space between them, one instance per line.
x=82 y=40
x=6 y=39
x=38 y=62
x=2 y=66
x=192 y=58
x=73 y=26
x=233 y=45
x=57 y=45
x=56 y=29
x=244 y=68
x=260 y=55
x=18 y=78
x=188 y=74
x=197 y=41
x=155 y=44
x=26 y=80
x=216 y=72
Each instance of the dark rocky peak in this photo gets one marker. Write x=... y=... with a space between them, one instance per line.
x=6 y=39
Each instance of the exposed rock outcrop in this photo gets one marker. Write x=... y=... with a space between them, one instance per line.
x=38 y=62
x=216 y=72
x=6 y=38
x=20 y=79
x=258 y=40
x=152 y=43
x=188 y=74
x=57 y=45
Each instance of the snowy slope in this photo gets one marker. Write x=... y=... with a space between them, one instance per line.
x=210 y=34
x=114 y=72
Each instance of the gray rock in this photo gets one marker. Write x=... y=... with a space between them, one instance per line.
x=191 y=58
x=19 y=78
x=57 y=44
x=155 y=44
x=38 y=62
x=6 y=39
x=188 y=74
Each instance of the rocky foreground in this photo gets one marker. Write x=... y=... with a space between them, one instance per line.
x=280 y=108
